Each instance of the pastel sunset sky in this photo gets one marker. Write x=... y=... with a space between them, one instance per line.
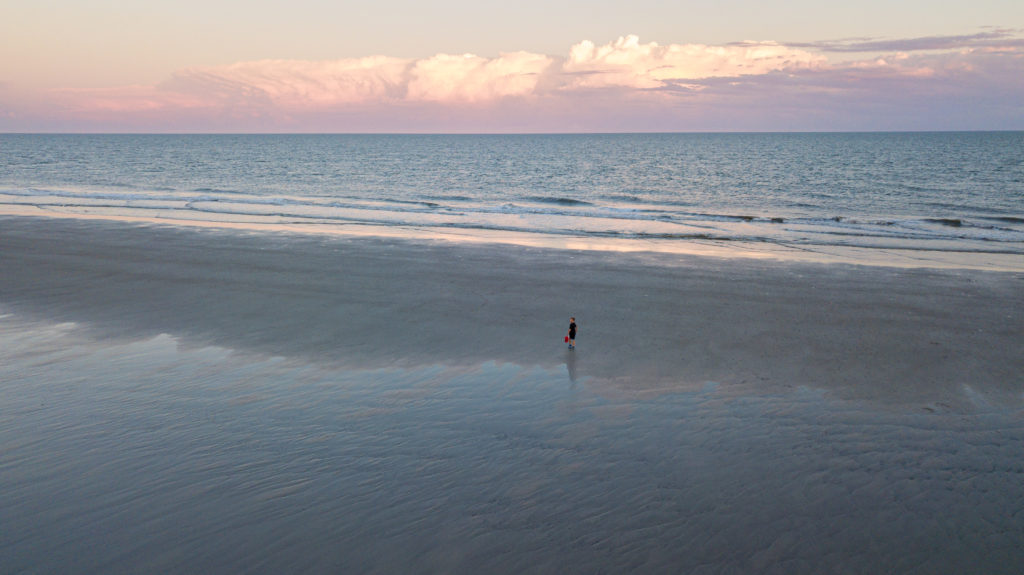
x=525 y=66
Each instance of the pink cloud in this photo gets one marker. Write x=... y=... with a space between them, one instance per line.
x=623 y=85
x=297 y=83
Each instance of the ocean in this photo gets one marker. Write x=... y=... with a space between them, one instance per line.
x=919 y=192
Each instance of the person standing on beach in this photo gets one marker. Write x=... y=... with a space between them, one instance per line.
x=572 y=333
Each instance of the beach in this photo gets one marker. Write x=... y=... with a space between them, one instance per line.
x=646 y=319
x=221 y=400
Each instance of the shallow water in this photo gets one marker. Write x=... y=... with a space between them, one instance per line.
x=155 y=455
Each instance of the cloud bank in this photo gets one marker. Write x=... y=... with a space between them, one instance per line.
x=971 y=81
x=628 y=63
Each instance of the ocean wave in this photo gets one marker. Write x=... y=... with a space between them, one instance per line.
x=450 y=198
x=557 y=201
x=858 y=221
x=136 y=195
x=1007 y=219
x=218 y=191
x=531 y=205
x=738 y=218
x=412 y=202
x=534 y=214
x=951 y=222
x=623 y=198
x=114 y=184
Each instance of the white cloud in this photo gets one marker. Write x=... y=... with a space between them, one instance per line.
x=470 y=78
x=628 y=63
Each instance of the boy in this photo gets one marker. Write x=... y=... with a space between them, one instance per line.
x=572 y=333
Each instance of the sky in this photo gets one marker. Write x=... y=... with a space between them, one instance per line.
x=527 y=66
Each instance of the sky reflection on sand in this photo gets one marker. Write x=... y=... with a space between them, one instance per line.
x=151 y=455
x=211 y=401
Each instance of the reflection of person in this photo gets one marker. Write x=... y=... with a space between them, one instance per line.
x=572 y=333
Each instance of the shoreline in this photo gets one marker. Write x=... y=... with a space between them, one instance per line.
x=875 y=256
x=649 y=322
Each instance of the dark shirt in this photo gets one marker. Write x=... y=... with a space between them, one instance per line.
x=572 y=330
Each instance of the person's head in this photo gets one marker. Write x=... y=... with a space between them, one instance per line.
x=572 y=319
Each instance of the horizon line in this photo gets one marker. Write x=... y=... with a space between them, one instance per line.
x=498 y=133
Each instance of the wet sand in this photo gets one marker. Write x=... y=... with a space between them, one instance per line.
x=180 y=400
x=647 y=321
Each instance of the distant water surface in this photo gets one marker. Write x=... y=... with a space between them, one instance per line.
x=952 y=192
